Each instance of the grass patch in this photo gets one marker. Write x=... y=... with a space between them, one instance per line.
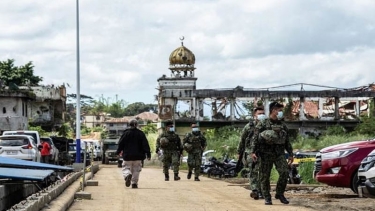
x=305 y=170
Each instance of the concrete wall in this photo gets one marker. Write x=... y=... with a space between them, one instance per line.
x=13 y=114
x=12 y=194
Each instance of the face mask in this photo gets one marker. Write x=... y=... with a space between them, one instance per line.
x=261 y=117
x=280 y=115
x=195 y=129
x=171 y=129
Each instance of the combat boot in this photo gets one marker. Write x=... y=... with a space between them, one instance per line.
x=254 y=194
x=268 y=201
x=282 y=199
x=166 y=177
x=196 y=179
x=176 y=177
x=260 y=195
x=189 y=175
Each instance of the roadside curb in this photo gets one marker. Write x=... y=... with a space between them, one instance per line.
x=66 y=199
x=59 y=196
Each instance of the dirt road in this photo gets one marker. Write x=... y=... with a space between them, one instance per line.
x=155 y=194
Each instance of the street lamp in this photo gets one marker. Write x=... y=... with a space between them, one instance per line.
x=78 y=107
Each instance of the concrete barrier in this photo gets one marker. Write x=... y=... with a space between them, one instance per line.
x=62 y=190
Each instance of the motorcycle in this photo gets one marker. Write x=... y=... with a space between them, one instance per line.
x=226 y=169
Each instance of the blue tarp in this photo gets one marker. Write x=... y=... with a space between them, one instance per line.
x=24 y=174
x=17 y=163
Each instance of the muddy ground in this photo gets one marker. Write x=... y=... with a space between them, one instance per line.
x=319 y=197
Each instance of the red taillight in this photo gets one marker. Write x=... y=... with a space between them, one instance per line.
x=27 y=146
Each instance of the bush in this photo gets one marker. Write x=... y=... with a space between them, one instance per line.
x=366 y=127
x=224 y=140
x=306 y=170
x=335 y=130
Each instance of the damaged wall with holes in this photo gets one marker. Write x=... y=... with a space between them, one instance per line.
x=45 y=107
x=48 y=108
x=13 y=112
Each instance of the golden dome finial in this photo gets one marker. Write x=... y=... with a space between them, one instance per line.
x=182 y=40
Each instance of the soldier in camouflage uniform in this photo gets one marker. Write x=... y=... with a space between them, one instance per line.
x=270 y=141
x=194 y=143
x=244 y=152
x=171 y=145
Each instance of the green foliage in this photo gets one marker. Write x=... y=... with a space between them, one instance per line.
x=85 y=130
x=306 y=170
x=335 y=130
x=151 y=137
x=64 y=130
x=366 y=127
x=149 y=128
x=21 y=76
x=97 y=129
x=303 y=143
x=274 y=175
x=104 y=134
x=39 y=129
x=224 y=140
x=138 y=107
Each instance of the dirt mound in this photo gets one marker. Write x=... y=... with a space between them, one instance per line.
x=92 y=135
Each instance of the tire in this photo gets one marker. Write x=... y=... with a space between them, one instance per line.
x=354 y=182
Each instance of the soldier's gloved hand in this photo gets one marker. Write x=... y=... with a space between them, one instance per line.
x=254 y=157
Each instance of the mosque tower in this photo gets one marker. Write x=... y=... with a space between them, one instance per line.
x=179 y=86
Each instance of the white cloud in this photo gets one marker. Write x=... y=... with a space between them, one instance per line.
x=125 y=45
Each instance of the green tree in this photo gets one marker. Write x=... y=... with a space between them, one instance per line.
x=149 y=128
x=39 y=129
x=21 y=76
x=366 y=126
x=64 y=130
x=138 y=107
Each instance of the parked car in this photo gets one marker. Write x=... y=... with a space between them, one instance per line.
x=338 y=165
x=20 y=147
x=54 y=159
x=72 y=153
x=366 y=175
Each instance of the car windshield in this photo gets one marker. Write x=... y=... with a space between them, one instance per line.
x=72 y=147
x=112 y=147
x=22 y=133
x=13 y=142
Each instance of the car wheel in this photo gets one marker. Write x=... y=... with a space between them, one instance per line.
x=354 y=183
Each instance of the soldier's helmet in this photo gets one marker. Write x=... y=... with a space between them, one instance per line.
x=164 y=142
x=269 y=136
x=188 y=147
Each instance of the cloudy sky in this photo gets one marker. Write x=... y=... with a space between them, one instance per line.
x=125 y=44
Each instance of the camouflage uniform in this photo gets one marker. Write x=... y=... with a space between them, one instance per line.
x=244 y=148
x=269 y=142
x=198 y=143
x=171 y=152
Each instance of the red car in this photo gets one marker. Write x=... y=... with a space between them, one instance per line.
x=338 y=165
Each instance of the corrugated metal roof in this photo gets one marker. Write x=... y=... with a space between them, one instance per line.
x=16 y=163
x=24 y=174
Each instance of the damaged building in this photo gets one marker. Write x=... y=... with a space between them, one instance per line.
x=38 y=106
x=305 y=110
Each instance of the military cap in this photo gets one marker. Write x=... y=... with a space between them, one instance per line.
x=275 y=104
x=168 y=123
